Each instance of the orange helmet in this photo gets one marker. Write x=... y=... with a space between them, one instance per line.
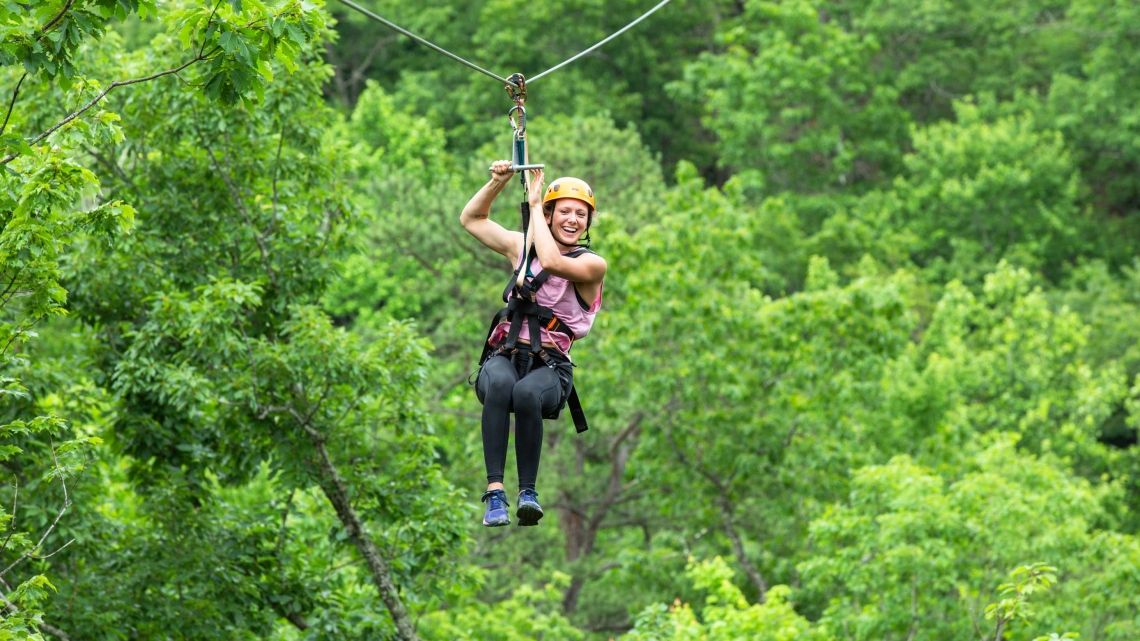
x=570 y=188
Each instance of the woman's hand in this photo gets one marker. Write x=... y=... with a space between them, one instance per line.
x=534 y=189
x=501 y=171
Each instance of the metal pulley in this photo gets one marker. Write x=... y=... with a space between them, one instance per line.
x=516 y=89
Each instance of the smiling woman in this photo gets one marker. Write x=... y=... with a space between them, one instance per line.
x=551 y=301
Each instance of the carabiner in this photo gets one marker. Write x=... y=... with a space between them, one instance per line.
x=518 y=126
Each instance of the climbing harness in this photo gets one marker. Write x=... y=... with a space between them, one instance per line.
x=523 y=308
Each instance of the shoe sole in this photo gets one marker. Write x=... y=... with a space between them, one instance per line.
x=528 y=515
x=505 y=521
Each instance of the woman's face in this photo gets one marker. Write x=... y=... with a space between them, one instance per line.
x=568 y=220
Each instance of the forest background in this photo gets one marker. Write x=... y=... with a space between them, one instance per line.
x=867 y=366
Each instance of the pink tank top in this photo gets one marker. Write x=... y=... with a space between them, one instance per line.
x=558 y=294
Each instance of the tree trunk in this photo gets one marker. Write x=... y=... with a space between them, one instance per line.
x=570 y=599
x=580 y=528
x=749 y=568
x=334 y=489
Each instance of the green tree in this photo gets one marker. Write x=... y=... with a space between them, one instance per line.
x=934 y=53
x=1094 y=105
x=209 y=297
x=45 y=206
x=726 y=614
x=792 y=98
x=912 y=551
x=973 y=192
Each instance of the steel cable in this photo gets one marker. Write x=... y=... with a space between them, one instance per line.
x=600 y=42
x=395 y=27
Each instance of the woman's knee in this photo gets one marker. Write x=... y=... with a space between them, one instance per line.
x=496 y=380
x=536 y=391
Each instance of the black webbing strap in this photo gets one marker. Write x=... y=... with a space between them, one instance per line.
x=576 y=412
x=530 y=287
x=524 y=263
x=495 y=320
x=515 y=311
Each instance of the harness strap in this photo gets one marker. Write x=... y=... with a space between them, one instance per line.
x=495 y=320
x=524 y=262
x=576 y=412
x=531 y=287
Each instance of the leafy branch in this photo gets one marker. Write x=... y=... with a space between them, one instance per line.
x=1026 y=580
x=54 y=22
x=103 y=94
x=31 y=553
x=13 y=609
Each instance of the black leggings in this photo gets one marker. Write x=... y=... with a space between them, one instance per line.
x=538 y=393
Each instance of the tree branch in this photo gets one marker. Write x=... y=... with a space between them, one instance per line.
x=337 y=493
x=12 y=523
x=276 y=173
x=913 y=632
x=56 y=19
x=16 y=334
x=103 y=94
x=619 y=457
x=284 y=517
x=208 y=21
x=738 y=548
x=12 y=103
x=4 y=295
x=726 y=523
x=114 y=168
x=587 y=534
x=51 y=528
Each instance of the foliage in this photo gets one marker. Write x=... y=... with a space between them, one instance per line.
x=977 y=190
x=866 y=366
x=792 y=98
x=911 y=551
x=726 y=614
x=1094 y=105
x=528 y=613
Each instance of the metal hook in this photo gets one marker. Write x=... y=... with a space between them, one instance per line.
x=519 y=126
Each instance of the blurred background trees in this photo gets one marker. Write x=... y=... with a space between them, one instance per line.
x=866 y=369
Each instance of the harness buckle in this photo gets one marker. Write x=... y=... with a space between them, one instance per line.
x=545 y=356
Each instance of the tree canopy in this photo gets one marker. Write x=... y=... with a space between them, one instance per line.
x=866 y=368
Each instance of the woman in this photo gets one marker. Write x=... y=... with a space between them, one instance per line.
x=533 y=381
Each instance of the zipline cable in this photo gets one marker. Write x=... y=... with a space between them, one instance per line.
x=601 y=42
x=395 y=27
x=398 y=28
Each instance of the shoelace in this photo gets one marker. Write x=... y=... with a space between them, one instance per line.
x=495 y=495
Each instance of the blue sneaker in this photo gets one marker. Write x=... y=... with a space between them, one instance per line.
x=529 y=511
x=496 y=514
